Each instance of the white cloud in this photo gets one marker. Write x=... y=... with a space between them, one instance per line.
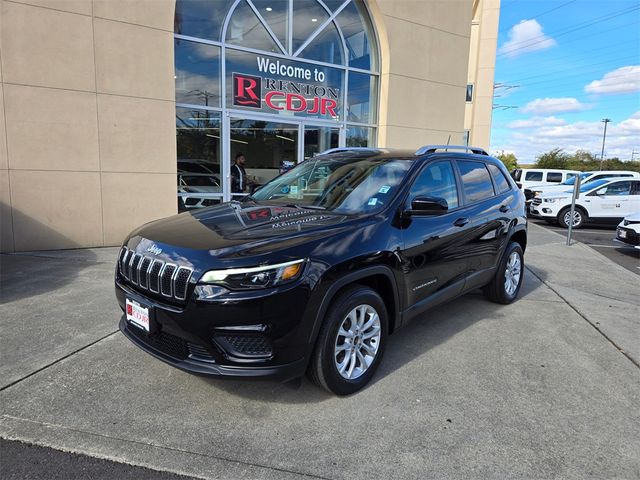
x=535 y=122
x=621 y=80
x=545 y=106
x=526 y=36
x=622 y=138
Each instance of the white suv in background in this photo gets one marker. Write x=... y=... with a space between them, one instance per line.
x=601 y=201
x=585 y=177
x=541 y=176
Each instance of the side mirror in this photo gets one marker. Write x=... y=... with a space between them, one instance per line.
x=428 y=206
x=601 y=192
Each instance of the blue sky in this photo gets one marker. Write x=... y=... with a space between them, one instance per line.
x=561 y=67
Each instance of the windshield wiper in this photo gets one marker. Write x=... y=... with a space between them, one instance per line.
x=307 y=207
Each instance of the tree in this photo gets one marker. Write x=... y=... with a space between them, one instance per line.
x=555 y=158
x=509 y=159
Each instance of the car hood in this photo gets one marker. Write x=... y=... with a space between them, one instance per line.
x=237 y=230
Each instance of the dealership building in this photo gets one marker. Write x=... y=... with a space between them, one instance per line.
x=117 y=112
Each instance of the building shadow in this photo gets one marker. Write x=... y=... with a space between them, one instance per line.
x=28 y=274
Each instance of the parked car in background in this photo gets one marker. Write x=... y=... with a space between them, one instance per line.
x=199 y=186
x=541 y=176
x=585 y=177
x=602 y=201
x=628 y=231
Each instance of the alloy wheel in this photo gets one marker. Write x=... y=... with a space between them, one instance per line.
x=357 y=342
x=512 y=274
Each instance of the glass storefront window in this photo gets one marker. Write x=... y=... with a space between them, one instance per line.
x=295 y=84
x=361 y=107
x=319 y=139
x=360 y=136
x=268 y=148
x=245 y=29
x=308 y=16
x=326 y=47
x=198 y=143
x=357 y=31
x=197 y=73
x=276 y=14
x=201 y=19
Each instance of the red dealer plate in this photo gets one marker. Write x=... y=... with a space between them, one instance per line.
x=137 y=314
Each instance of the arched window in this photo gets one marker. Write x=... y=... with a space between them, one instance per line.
x=279 y=79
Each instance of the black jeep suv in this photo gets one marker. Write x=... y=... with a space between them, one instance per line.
x=314 y=270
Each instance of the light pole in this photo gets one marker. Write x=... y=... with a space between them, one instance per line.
x=604 y=137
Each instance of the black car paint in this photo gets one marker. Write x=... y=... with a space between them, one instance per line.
x=415 y=262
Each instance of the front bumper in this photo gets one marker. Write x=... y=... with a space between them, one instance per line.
x=628 y=237
x=207 y=338
x=193 y=363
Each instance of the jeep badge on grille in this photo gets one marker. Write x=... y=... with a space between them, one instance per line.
x=154 y=249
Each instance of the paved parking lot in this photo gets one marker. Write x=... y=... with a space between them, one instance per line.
x=546 y=387
x=600 y=238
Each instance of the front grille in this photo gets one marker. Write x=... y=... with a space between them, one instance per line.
x=537 y=201
x=248 y=346
x=166 y=343
x=154 y=275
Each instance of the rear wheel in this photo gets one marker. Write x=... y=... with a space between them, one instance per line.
x=507 y=281
x=351 y=341
x=564 y=217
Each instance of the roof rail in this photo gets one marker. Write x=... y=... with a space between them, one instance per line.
x=434 y=148
x=349 y=149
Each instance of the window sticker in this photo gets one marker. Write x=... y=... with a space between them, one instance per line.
x=373 y=201
x=294 y=190
x=384 y=189
x=285 y=189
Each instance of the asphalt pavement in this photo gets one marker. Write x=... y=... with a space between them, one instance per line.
x=546 y=387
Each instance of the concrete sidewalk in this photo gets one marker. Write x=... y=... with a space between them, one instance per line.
x=536 y=389
x=602 y=292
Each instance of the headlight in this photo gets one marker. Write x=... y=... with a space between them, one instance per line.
x=537 y=193
x=552 y=200
x=255 y=277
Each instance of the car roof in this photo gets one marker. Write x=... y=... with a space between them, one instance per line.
x=406 y=154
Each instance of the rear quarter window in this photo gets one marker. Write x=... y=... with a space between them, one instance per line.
x=476 y=181
x=501 y=183
x=554 y=177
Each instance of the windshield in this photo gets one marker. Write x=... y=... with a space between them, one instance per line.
x=572 y=180
x=343 y=185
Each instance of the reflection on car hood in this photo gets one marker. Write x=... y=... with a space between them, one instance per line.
x=634 y=217
x=231 y=228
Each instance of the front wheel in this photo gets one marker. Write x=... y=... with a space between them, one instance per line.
x=507 y=281
x=564 y=218
x=351 y=341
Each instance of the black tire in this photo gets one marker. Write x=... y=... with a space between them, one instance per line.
x=323 y=370
x=579 y=216
x=496 y=290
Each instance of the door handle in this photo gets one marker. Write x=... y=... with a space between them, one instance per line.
x=504 y=208
x=461 y=222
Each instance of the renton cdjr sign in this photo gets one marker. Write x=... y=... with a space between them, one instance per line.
x=289 y=95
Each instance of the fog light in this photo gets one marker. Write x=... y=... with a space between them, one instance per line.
x=209 y=292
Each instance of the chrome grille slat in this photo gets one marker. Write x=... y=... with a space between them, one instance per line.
x=151 y=274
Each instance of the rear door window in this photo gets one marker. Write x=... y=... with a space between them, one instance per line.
x=554 y=177
x=502 y=184
x=476 y=181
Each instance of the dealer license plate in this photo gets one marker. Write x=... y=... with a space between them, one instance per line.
x=137 y=314
x=622 y=233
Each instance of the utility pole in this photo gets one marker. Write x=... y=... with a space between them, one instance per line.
x=604 y=137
